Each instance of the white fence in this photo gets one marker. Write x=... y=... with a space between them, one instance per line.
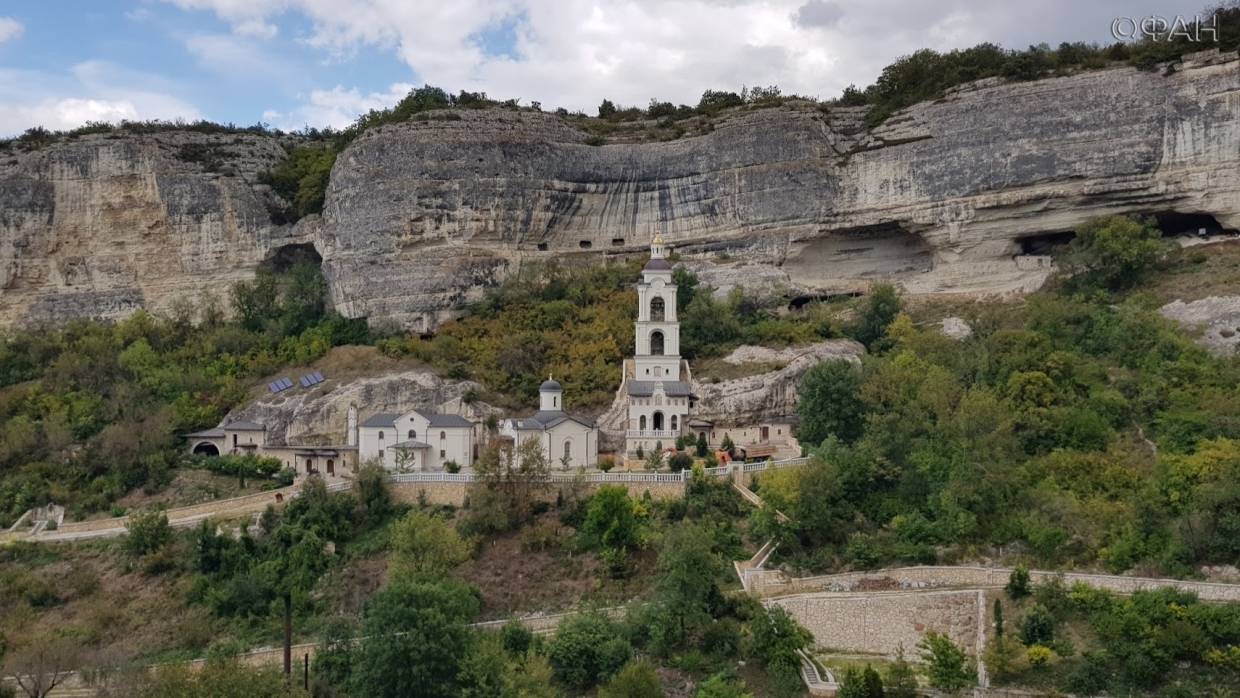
x=591 y=477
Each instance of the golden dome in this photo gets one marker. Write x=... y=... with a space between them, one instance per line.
x=658 y=239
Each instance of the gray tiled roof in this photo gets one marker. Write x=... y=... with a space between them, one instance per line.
x=243 y=425
x=208 y=434
x=670 y=388
x=382 y=419
x=448 y=420
x=411 y=444
x=657 y=264
x=547 y=419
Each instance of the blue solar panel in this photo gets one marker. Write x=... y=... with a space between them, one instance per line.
x=273 y=387
x=305 y=381
x=288 y=383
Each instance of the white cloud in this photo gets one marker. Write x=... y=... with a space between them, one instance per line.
x=237 y=57
x=337 y=107
x=574 y=53
x=90 y=91
x=10 y=29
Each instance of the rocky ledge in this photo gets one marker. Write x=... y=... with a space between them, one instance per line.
x=964 y=194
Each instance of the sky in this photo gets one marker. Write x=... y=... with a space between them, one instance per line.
x=296 y=63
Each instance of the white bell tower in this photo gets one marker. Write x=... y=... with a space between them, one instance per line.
x=657 y=341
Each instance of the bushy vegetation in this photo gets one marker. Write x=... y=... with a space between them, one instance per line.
x=1084 y=640
x=302 y=178
x=572 y=323
x=92 y=410
x=927 y=74
x=1078 y=427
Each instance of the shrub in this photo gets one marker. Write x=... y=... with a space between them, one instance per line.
x=516 y=638
x=1038 y=626
x=1039 y=655
x=148 y=531
x=946 y=664
x=637 y=679
x=587 y=649
x=1018 y=583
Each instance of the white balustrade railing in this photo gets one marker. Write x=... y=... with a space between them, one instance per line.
x=651 y=434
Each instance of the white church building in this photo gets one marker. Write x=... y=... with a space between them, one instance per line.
x=567 y=440
x=417 y=440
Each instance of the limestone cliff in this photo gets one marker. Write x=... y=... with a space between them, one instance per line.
x=956 y=195
x=101 y=225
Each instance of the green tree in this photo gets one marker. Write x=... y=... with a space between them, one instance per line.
x=530 y=677
x=148 y=531
x=829 y=403
x=424 y=547
x=686 y=585
x=510 y=479
x=947 y=666
x=1018 y=583
x=371 y=489
x=702 y=446
x=1001 y=655
x=997 y=614
x=686 y=286
x=776 y=639
x=1114 y=252
x=611 y=520
x=294 y=563
x=638 y=679
x=1038 y=626
x=587 y=648
x=256 y=302
x=303 y=301
x=901 y=679
x=415 y=637
x=880 y=308
x=861 y=683
x=333 y=660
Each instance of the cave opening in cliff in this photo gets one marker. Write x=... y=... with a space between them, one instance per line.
x=1044 y=244
x=800 y=301
x=848 y=257
x=285 y=257
x=1176 y=224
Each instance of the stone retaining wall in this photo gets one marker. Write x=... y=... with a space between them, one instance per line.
x=885 y=622
x=455 y=493
x=236 y=505
x=769 y=583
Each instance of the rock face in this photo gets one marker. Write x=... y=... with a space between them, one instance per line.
x=102 y=225
x=1217 y=317
x=753 y=399
x=318 y=416
x=959 y=195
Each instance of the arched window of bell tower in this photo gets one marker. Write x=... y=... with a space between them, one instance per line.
x=657 y=309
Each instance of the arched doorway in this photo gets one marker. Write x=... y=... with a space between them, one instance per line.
x=656 y=343
x=657 y=309
x=331 y=467
x=674 y=425
x=658 y=421
x=309 y=465
x=206 y=448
